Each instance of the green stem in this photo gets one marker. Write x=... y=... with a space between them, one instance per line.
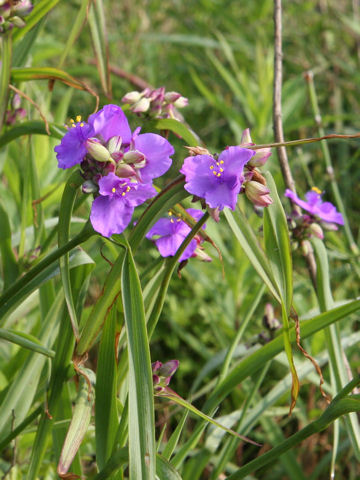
x=6 y=298
x=328 y=162
x=5 y=72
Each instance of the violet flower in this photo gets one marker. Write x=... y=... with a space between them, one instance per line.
x=325 y=211
x=162 y=373
x=106 y=137
x=171 y=232
x=112 y=210
x=217 y=180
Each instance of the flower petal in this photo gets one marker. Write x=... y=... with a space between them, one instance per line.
x=109 y=122
x=157 y=151
x=110 y=215
x=72 y=149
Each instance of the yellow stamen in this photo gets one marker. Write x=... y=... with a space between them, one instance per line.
x=317 y=190
x=170 y=213
x=221 y=162
x=171 y=220
x=215 y=173
x=218 y=175
x=72 y=120
x=81 y=124
x=113 y=189
x=123 y=194
x=221 y=169
x=212 y=166
x=78 y=118
x=128 y=189
x=73 y=125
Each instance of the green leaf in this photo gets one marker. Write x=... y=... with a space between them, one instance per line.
x=100 y=44
x=141 y=402
x=164 y=470
x=5 y=72
x=33 y=127
x=179 y=129
x=46 y=73
x=79 y=422
x=9 y=265
x=25 y=340
x=106 y=419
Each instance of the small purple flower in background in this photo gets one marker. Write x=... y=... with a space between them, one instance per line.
x=324 y=211
x=117 y=165
x=217 y=180
x=112 y=210
x=162 y=373
x=171 y=232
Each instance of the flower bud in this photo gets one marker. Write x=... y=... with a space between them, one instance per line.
x=316 y=230
x=131 y=97
x=97 y=151
x=181 y=102
x=171 y=97
x=260 y=157
x=23 y=8
x=246 y=138
x=18 y=22
x=169 y=368
x=258 y=194
x=134 y=156
x=141 y=106
x=114 y=144
x=201 y=255
x=89 y=187
x=198 y=151
x=125 y=171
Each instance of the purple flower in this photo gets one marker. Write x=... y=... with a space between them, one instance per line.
x=112 y=210
x=107 y=138
x=171 y=233
x=162 y=373
x=326 y=211
x=217 y=180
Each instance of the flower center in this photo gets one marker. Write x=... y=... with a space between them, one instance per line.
x=217 y=169
x=172 y=220
x=316 y=190
x=120 y=190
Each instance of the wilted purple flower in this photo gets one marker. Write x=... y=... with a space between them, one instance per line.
x=325 y=211
x=171 y=232
x=112 y=210
x=162 y=373
x=217 y=180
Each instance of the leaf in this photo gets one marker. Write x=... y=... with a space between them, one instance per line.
x=106 y=419
x=33 y=127
x=179 y=129
x=141 y=402
x=100 y=44
x=10 y=267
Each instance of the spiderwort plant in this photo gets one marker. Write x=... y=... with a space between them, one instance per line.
x=117 y=165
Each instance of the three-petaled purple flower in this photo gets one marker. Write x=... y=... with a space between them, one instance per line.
x=325 y=211
x=119 y=164
x=171 y=232
x=217 y=179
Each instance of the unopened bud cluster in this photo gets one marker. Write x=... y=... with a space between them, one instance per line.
x=12 y=14
x=156 y=102
x=255 y=184
x=303 y=227
x=162 y=373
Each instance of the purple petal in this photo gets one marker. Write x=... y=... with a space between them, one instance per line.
x=327 y=212
x=165 y=226
x=292 y=195
x=110 y=215
x=235 y=158
x=169 y=245
x=157 y=151
x=110 y=182
x=72 y=149
x=139 y=193
x=195 y=213
x=109 y=122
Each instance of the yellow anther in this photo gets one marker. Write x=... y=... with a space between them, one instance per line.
x=128 y=189
x=218 y=175
x=217 y=163
x=170 y=213
x=113 y=189
x=178 y=220
x=317 y=190
x=171 y=220
x=81 y=124
x=73 y=125
x=221 y=169
x=215 y=173
x=72 y=120
x=78 y=118
x=123 y=194
x=221 y=161
x=212 y=166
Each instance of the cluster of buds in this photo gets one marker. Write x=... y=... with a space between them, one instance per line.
x=16 y=113
x=162 y=373
x=305 y=226
x=12 y=13
x=254 y=185
x=156 y=102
